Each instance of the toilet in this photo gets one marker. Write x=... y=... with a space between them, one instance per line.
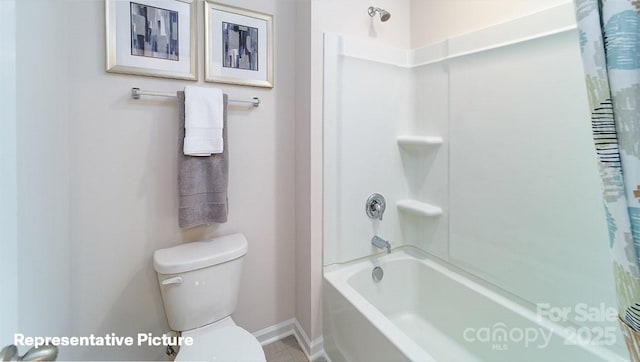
x=199 y=283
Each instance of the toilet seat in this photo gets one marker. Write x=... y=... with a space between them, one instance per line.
x=225 y=344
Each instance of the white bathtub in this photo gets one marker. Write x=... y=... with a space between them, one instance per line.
x=423 y=310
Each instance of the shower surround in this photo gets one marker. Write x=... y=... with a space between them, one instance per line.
x=480 y=147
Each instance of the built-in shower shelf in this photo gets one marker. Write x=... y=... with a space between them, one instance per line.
x=419 y=208
x=419 y=141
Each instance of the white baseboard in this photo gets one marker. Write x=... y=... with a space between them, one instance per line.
x=313 y=349
x=275 y=332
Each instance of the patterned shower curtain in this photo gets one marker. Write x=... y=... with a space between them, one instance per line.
x=609 y=34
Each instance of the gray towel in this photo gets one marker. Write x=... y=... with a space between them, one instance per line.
x=202 y=181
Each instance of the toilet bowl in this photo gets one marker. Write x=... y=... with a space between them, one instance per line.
x=199 y=283
x=222 y=341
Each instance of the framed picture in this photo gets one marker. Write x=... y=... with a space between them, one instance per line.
x=152 y=37
x=238 y=46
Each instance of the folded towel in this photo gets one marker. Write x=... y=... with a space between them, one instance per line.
x=203 y=121
x=202 y=181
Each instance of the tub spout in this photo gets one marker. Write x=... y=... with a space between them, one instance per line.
x=380 y=243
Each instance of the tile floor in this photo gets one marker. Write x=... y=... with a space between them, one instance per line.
x=285 y=350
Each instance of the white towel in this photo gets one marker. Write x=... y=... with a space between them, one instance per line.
x=203 y=121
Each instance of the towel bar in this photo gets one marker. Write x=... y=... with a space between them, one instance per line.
x=137 y=92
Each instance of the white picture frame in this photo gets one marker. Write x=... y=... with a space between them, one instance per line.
x=238 y=46
x=155 y=38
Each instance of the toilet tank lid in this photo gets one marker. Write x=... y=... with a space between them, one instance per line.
x=199 y=254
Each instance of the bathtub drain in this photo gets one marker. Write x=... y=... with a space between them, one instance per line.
x=377 y=274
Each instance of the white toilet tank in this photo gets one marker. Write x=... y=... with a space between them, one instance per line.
x=199 y=281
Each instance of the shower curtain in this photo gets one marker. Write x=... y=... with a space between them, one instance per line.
x=609 y=35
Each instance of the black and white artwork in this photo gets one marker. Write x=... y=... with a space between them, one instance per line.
x=155 y=38
x=154 y=32
x=239 y=46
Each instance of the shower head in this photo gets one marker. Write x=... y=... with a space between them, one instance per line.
x=384 y=15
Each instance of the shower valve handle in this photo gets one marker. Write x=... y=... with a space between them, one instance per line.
x=375 y=206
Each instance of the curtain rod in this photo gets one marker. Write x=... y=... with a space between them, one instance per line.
x=137 y=92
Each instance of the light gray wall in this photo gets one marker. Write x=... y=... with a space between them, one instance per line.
x=304 y=268
x=42 y=136
x=436 y=20
x=8 y=184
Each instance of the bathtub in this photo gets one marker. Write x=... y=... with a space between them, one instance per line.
x=425 y=310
